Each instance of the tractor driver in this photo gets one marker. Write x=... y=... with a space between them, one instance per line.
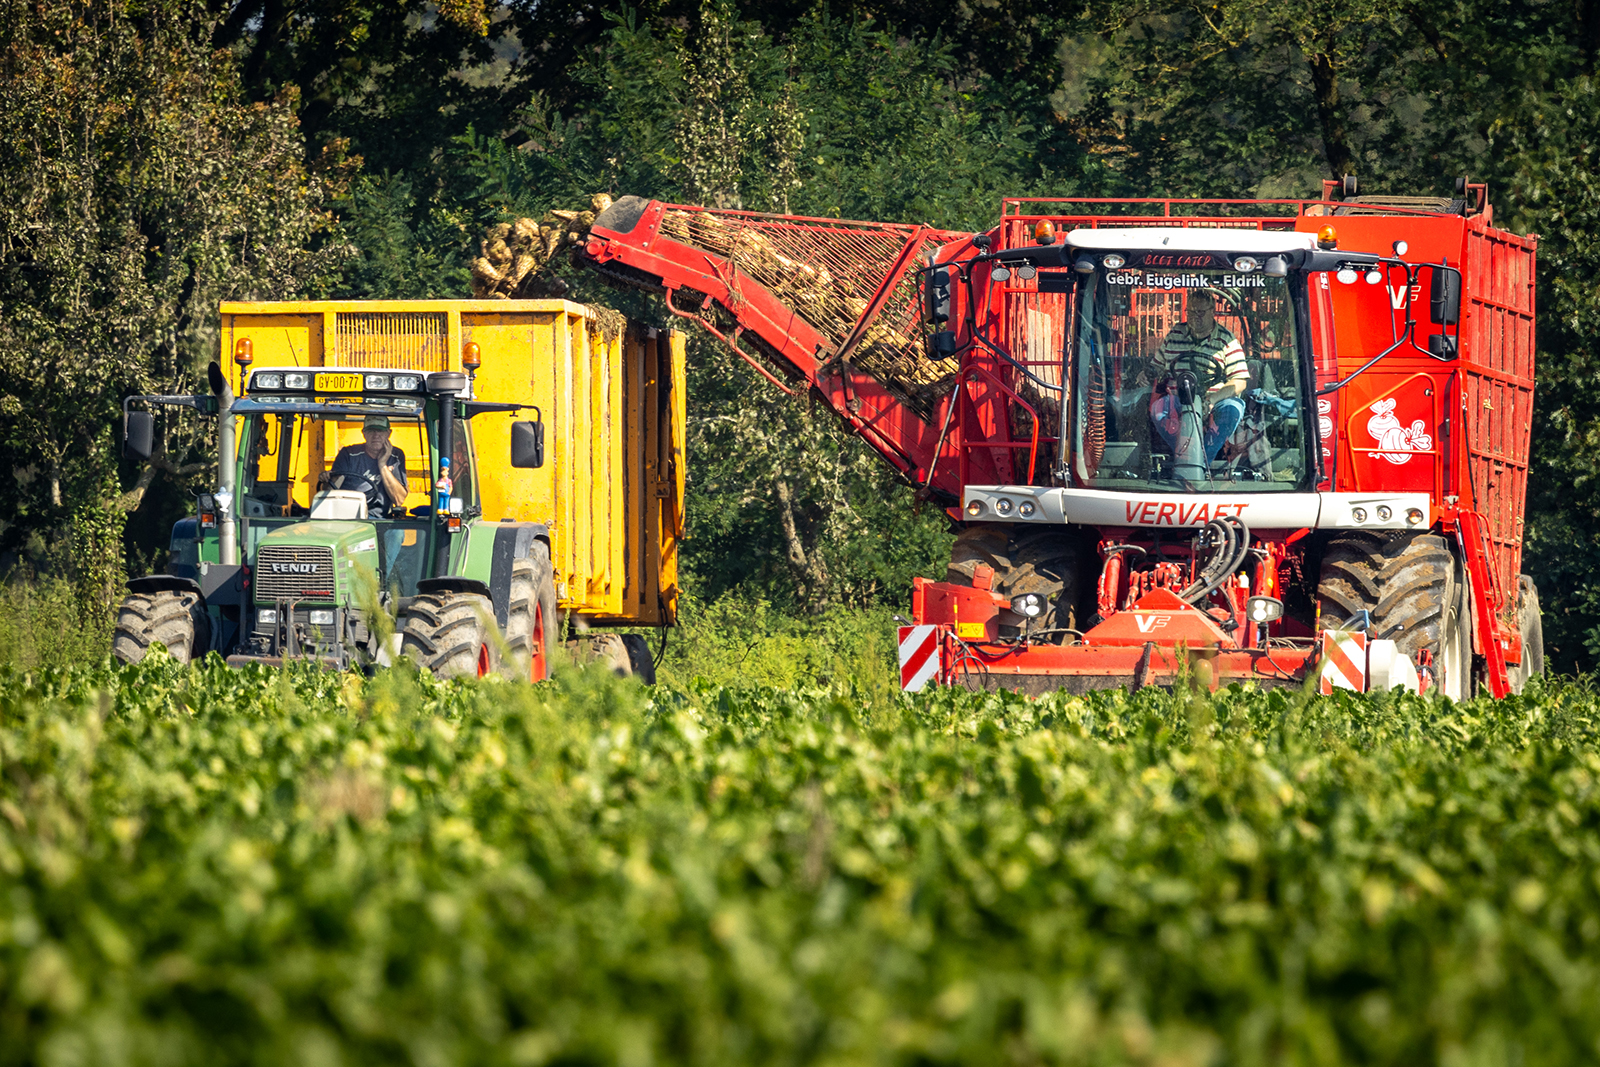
x=1215 y=358
x=379 y=464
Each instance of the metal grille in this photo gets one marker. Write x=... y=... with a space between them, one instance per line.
x=829 y=271
x=402 y=340
x=280 y=573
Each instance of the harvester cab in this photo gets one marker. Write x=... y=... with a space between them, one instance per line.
x=302 y=541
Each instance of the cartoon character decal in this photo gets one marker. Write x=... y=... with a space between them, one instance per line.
x=1397 y=443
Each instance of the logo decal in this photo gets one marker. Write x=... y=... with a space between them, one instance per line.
x=294 y=568
x=1397 y=442
x=1147 y=623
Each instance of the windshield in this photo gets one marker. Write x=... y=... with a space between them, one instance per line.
x=292 y=452
x=1187 y=380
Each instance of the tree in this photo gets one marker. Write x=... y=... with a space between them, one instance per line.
x=141 y=190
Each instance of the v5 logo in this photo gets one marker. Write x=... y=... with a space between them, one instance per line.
x=1151 y=623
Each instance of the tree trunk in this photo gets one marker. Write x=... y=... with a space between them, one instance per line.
x=1335 y=138
x=808 y=567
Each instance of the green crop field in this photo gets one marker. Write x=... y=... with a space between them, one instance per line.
x=253 y=867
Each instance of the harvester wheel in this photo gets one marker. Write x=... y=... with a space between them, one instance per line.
x=451 y=634
x=1025 y=560
x=1531 y=626
x=173 y=618
x=532 y=629
x=1414 y=592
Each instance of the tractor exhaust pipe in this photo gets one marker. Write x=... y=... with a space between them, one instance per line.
x=227 y=456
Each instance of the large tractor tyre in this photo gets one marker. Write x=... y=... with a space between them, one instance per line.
x=1048 y=562
x=451 y=634
x=1415 y=595
x=1531 y=626
x=532 y=629
x=173 y=618
x=639 y=657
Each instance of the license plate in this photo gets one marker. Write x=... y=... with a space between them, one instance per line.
x=339 y=383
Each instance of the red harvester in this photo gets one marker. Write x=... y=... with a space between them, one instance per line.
x=1244 y=439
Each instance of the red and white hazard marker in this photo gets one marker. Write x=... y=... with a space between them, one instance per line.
x=919 y=656
x=1344 y=661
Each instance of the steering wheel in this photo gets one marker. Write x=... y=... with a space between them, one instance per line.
x=377 y=499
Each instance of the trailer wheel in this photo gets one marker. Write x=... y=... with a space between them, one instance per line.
x=1531 y=626
x=1414 y=593
x=173 y=618
x=532 y=629
x=644 y=665
x=450 y=634
x=1025 y=560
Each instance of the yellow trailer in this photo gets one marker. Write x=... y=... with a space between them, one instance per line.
x=612 y=400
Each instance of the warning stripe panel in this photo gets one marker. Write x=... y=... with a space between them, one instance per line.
x=1344 y=661
x=919 y=656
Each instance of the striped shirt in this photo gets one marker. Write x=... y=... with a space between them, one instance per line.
x=1201 y=356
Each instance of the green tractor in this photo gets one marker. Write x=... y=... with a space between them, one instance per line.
x=343 y=492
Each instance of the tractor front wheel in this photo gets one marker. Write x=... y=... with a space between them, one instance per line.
x=532 y=629
x=1414 y=592
x=451 y=634
x=173 y=618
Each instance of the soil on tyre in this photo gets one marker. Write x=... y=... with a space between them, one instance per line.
x=532 y=630
x=1046 y=562
x=175 y=619
x=451 y=634
x=1414 y=592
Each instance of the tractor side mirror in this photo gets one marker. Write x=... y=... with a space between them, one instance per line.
x=138 y=435
x=1444 y=296
x=937 y=296
x=527 y=445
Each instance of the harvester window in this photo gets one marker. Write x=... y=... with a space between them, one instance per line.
x=1187 y=380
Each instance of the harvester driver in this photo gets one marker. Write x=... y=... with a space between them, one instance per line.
x=1208 y=352
x=377 y=463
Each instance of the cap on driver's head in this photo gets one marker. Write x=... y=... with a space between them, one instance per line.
x=375 y=422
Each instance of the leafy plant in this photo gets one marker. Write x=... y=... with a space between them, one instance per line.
x=257 y=866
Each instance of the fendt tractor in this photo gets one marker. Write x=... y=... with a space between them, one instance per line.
x=1232 y=440
x=378 y=458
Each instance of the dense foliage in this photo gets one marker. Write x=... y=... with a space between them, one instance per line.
x=252 y=866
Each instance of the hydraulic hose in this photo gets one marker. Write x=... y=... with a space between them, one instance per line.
x=1229 y=540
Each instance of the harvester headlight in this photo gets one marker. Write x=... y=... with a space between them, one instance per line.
x=407 y=382
x=1384 y=513
x=377 y=381
x=322 y=617
x=1112 y=262
x=273 y=380
x=1358 y=514
x=1027 y=508
x=1414 y=516
x=975 y=508
x=1245 y=264
x=297 y=381
x=1400 y=248
x=1028 y=605
x=1261 y=609
x=1374 y=276
x=1002 y=506
x=1346 y=275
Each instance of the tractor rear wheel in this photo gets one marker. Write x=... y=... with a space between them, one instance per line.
x=1414 y=592
x=532 y=629
x=1531 y=626
x=451 y=634
x=1026 y=559
x=173 y=618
